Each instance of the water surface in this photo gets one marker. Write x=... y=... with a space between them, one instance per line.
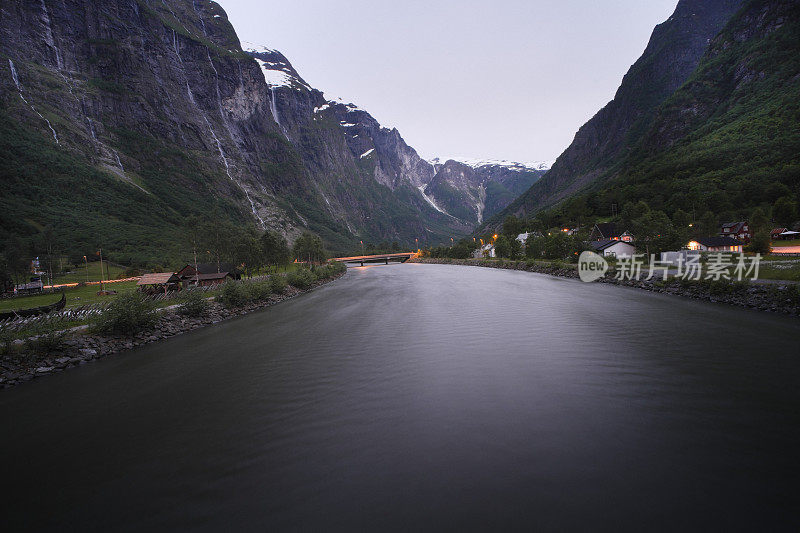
x=424 y=397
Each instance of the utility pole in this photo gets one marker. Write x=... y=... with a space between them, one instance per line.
x=102 y=287
x=86 y=262
x=196 y=273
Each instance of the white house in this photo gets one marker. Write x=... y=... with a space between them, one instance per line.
x=487 y=250
x=715 y=244
x=613 y=248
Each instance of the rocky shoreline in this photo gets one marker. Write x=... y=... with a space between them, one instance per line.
x=776 y=298
x=82 y=348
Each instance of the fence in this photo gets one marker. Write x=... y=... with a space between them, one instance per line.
x=83 y=312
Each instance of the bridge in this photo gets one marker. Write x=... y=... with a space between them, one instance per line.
x=380 y=258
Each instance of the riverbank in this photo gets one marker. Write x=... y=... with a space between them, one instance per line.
x=81 y=347
x=776 y=298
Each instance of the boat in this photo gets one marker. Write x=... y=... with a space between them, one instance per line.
x=34 y=311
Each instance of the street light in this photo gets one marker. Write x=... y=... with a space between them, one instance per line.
x=86 y=261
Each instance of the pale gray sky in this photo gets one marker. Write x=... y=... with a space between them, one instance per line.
x=502 y=79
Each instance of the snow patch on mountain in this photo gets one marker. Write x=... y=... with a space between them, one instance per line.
x=430 y=200
x=512 y=165
x=247 y=46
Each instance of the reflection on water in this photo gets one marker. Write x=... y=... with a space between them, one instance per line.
x=424 y=397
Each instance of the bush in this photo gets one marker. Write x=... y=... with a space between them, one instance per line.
x=328 y=271
x=194 y=304
x=302 y=279
x=278 y=283
x=45 y=338
x=259 y=290
x=233 y=294
x=128 y=313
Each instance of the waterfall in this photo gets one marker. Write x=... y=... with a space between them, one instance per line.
x=119 y=163
x=216 y=81
x=274 y=108
x=15 y=77
x=48 y=36
x=222 y=155
x=173 y=16
x=200 y=16
x=228 y=170
x=91 y=129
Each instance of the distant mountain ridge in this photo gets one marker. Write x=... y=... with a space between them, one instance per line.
x=473 y=189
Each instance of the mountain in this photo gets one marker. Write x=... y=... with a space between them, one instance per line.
x=728 y=140
x=473 y=190
x=123 y=119
x=671 y=56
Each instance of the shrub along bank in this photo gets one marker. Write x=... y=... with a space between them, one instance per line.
x=133 y=321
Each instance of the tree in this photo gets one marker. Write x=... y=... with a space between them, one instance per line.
x=785 y=210
x=760 y=243
x=247 y=250
x=708 y=225
x=534 y=247
x=758 y=220
x=502 y=246
x=17 y=260
x=515 y=249
x=275 y=249
x=681 y=219
x=557 y=246
x=655 y=231
x=631 y=211
x=512 y=226
x=308 y=247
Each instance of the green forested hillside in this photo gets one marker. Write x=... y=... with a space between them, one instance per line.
x=727 y=141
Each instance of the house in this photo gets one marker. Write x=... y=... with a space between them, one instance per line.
x=487 y=250
x=523 y=237
x=34 y=286
x=715 y=244
x=784 y=235
x=613 y=248
x=215 y=278
x=736 y=230
x=159 y=282
x=609 y=230
x=189 y=272
x=775 y=233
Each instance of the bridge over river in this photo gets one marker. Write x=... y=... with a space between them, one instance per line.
x=380 y=258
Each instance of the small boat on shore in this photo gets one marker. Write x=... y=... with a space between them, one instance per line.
x=34 y=311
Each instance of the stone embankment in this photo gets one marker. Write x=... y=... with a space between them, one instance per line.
x=775 y=297
x=83 y=347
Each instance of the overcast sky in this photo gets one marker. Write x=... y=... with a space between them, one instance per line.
x=501 y=79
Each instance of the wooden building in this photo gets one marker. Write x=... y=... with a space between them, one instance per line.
x=159 y=282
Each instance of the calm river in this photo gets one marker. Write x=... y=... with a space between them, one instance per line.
x=424 y=397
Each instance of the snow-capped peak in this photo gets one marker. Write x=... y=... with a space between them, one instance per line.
x=247 y=46
x=512 y=165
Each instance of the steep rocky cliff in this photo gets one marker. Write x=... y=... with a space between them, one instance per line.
x=475 y=190
x=672 y=54
x=121 y=118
